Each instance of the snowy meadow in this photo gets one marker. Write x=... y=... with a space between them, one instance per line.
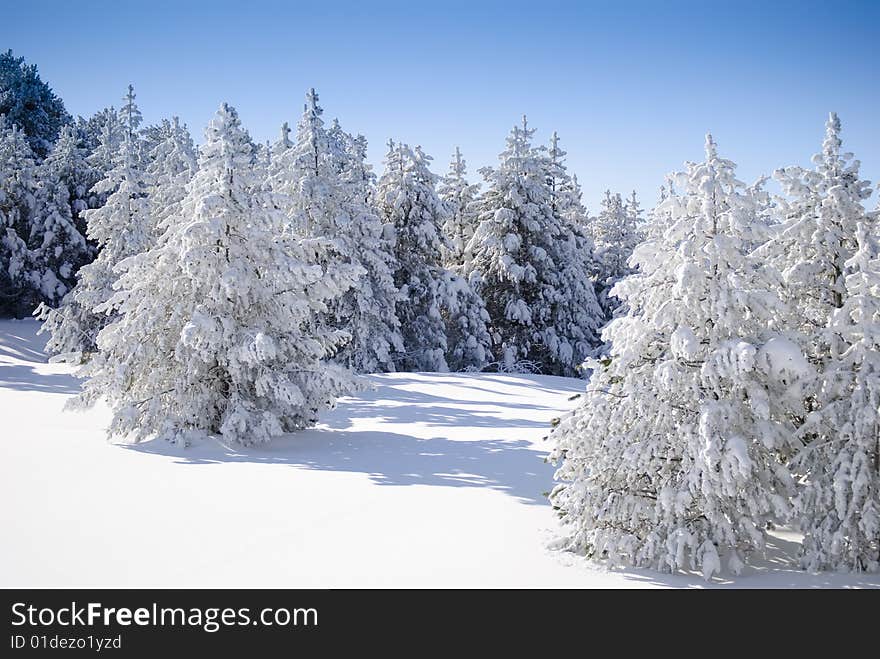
x=410 y=379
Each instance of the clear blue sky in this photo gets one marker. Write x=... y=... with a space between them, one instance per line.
x=631 y=86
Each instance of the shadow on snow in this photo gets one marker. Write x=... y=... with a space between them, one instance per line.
x=392 y=458
x=24 y=346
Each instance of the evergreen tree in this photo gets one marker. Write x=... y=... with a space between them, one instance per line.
x=30 y=103
x=442 y=318
x=121 y=227
x=59 y=249
x=352 y=161
x=90 y=130
x=565 y=192
x=530 y=269
x=616 y=232
x=102 y=136
x=838 y=508
x=458 y=195
x=325 y=202
x=215 y=333
x=172 y=164
x=674 y=459
x=67 y=163
x=19 y=280
x=817 y=237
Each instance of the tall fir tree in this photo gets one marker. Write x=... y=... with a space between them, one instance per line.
x=838 y=507
x=215 y=333
x=356 y=172
x=68 y=162
x=443 y=319
x=458 y=195
x=674 y=458
x=30 y=104
x=817 y=236
x=526 y=264
x=565 y=192
x=59 y=248
x=616 y=232
x=326 y=202
x=122 y=227
x=171 y=164
x=815 y=247
x=18 y=195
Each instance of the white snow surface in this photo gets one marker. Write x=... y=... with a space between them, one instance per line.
x=430 y=480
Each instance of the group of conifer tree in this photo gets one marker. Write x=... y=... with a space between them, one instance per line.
x=730 y=338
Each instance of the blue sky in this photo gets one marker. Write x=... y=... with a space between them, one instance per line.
x=631 y=87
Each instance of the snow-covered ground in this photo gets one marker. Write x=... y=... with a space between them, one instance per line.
x=429 y=480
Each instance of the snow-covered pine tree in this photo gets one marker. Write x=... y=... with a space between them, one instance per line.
x=30 y=104
x=91 y=129
x=68 y=162
x=277 y=171
x=565 y=192
x=672 y=460
x=102 y=135
x=325 y=201
x=171 y=166
x=442 y=318
x=812 y=246
x=121 y=227
x=838 y=508
x=633 y=209
x=58 y=247
x=817 y=236
x=216 y=332
x=658 y=219
x=458 y=195
x=18 y=189
x=616 y=233
x=577 y=245
x=526 y=264
x=356 y=172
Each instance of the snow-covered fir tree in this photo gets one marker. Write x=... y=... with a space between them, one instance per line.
x=121 y=227
x=59 y=249
x=838 y=508
x=19 y=278
x=527 y=265
x=325 y=201
x=278 y=161
x=565 y=192
x=442 y=318
x=576 y=243
x=30 y=104
x=171 y=166
x=817 y=236
x=813 y=245
x=458 y=195
x=216 y=332
x=616 y=232
x=351 y=156
x=674 y=459
x=633 y=208
x=68 y=162
x=102 y=136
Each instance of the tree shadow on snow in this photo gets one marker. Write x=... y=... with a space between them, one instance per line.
x=777 y=568
x=23 y=346
x=25 y=378
x=513 y=467
x=479 y=456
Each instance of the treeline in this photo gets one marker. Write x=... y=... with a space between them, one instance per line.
x=529 y=293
